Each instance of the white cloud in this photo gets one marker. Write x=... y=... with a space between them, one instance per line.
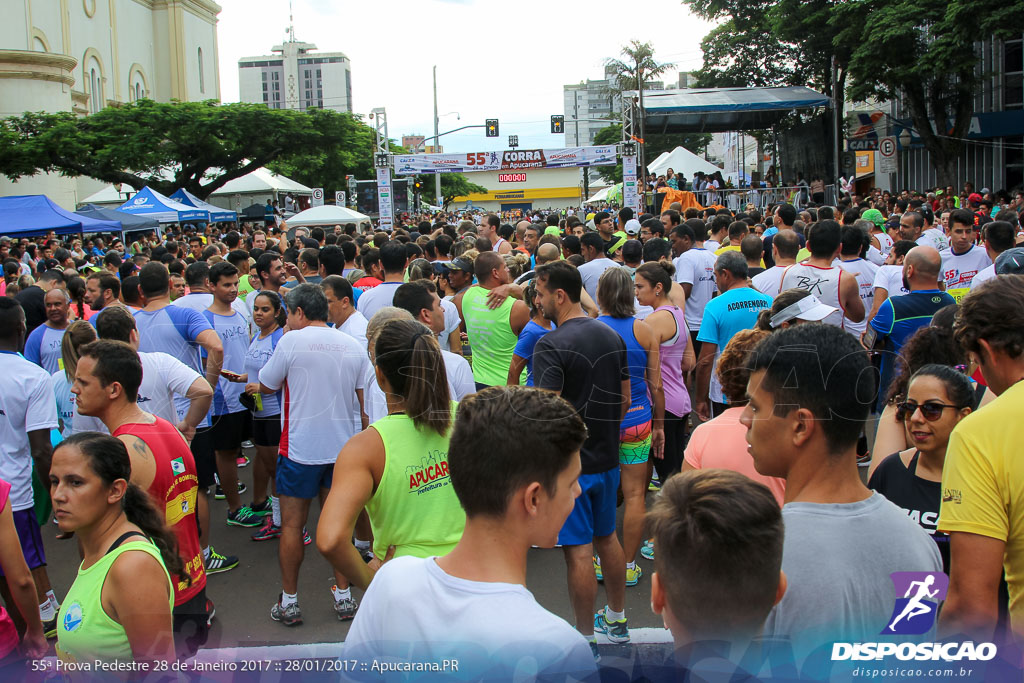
x=494 y=60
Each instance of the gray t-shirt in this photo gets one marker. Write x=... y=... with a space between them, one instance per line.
x=837 y=559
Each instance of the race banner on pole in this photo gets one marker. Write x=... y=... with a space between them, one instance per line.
x=384 y=205
x=509 y=160
x=630 y=196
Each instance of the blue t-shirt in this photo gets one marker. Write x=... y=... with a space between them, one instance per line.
x=724 y=316
x=43 y=347
x=636 y=355
x=524 y=347
x=898 y=318
x=233 y=331
x=173 y=330
x=257 y=355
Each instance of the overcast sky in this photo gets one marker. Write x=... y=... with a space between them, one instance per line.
x=494 y=60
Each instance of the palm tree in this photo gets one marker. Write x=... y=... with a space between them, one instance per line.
x=637 y=68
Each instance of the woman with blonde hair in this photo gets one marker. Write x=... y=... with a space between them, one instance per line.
x=78 y=334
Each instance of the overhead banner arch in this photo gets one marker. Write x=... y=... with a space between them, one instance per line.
x=509 y=160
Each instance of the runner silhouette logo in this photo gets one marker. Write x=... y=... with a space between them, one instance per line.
x=915 y=612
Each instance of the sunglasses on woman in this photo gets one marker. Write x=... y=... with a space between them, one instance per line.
x=930 y=410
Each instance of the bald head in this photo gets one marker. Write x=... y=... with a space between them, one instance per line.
x=546 y=253
x=522 y=225
x=921 y=266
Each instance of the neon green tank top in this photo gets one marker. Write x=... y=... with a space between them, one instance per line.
x=84 y=631
x=490 y=335
x=415 y=507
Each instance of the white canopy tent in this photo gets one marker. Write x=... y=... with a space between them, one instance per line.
x=601 y=195
x=328 y=214
x=682 y=161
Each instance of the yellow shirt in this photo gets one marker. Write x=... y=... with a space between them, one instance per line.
x=982 y=490
x=732 y=248
x=803 y=255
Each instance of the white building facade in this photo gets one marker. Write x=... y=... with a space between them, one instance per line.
x=295 y=77
x=84 y=55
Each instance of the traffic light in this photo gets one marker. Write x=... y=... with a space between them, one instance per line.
x=417 y=185
x=557 y=124
x=492 y=128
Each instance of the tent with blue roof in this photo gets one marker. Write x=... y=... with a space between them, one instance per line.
x=36 y=214
x=217 y=214
x=149 y=202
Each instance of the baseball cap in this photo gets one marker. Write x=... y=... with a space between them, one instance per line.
x=985 y=190
x=974 y=198
x=1010 y=262
x=875 y=216
x=810 y=308
x=460 y=263
x=620 y=239
x=632 y=227
x=553 y=230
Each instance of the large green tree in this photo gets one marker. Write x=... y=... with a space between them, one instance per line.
x=655 y=144
x=200 y=145
x=925 y=51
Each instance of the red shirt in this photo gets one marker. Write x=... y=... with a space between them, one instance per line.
x=365 y=283
x=174 y=490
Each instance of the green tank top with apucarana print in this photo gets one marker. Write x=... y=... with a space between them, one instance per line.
x=414 y=507
x=490 y=336
x=85 y=632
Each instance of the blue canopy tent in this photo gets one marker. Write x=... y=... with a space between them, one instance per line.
x=217 y=214
x=131 y=223
x=718 y=110
x=148 y=202
x=36 y=214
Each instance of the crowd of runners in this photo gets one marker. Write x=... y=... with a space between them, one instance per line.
x=788 y=405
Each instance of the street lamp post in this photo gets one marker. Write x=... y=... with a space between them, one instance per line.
x=437 y=176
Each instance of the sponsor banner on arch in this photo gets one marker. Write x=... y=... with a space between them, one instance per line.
x=508 y=160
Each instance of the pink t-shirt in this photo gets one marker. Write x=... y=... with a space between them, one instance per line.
x=721 y=443
x=8 y=634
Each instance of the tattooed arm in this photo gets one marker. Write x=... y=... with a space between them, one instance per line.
x=143 y=464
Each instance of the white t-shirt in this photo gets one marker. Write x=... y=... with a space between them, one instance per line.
x=890 y=278
x=164 y=377
x=372 y=300
x=460 y=385
x=865 y=271
x=414 y=606
x=26 y=404
x=712 y=245
x=933 y=237
x=696 y=267
x=591 y=273
x=355 y=327
x=768 y=281
x=451 y=322
x=958 y=270
x=72 y=421
x=319 y=369
x=983 y=275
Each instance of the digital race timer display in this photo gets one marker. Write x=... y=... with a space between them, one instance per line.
x=511 y=177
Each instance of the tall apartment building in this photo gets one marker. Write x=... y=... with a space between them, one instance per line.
x=295 y=77
x=590 y=105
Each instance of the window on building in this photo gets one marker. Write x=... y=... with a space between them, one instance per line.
x=1013 y=74
x=95 y=84
x=202 y=78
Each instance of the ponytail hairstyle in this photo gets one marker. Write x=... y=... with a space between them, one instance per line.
x=108 y=458
x=280 y=314
x=76 y=290
x=409 y=357
x=78 y=334
x=658 y=273
x=420 y=269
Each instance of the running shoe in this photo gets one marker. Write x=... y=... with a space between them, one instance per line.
x=268 y=531
x=366 y=554
x=242 y=461
x=344 y=608
x=306 y=538
x=217 y=563
x=218 y=494
x=248 y=444
x=262 y=509
x=655 y=483
x=50 y=629
x=647 y=551
x=593 y=650
x=633 y=575
x=864 y=460
x=597 y=569
x=244 y=516
x=289 y=616
x=211 y=612
x=616 y=631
